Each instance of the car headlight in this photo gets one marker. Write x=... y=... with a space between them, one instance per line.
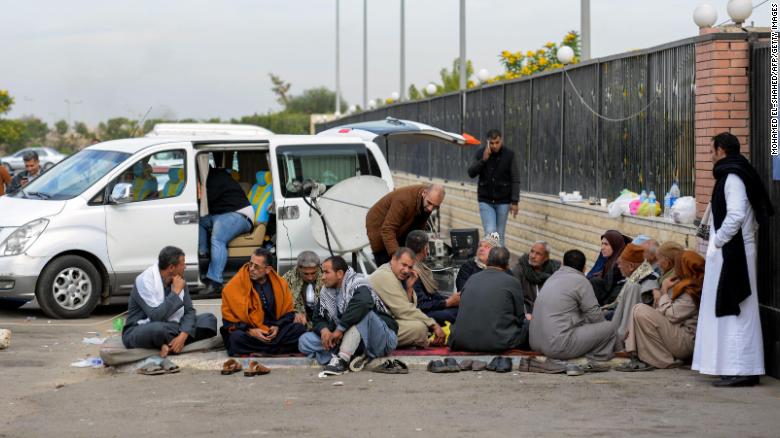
x=23 y=237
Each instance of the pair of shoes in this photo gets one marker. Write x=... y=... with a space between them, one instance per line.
x=500 y=364
x=547 y=366
x=164 y=367
x=255 y=368
x=391 y=366
x=449 y=365
x=736 y=381
x=336 y=367
x=472 y=365
x=573 y=369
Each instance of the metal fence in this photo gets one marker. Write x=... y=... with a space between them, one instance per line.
x=768 y=244
x=560 y=142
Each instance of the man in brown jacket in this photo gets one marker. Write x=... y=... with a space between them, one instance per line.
x=396 y=214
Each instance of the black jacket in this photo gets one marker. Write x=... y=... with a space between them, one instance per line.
x=224 y=194
x=499 y=177
x=361 y=303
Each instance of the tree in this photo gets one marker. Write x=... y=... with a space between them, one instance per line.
x=33 y=132
x=315 y=101
x=281 y=89
x=118 y=127
x=82 y=130
x=61 y=127
x=10 y=130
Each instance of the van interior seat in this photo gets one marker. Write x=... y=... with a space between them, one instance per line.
x=144 y=182
x=175 y=182
x=260 y=197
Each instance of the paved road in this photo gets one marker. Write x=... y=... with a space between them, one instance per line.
x=43 y=396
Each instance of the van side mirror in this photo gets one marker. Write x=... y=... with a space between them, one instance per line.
x=121 y=193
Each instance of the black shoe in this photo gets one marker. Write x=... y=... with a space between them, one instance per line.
x=735 y=381
x=336 y=367
x=494 y=364
x=212 y=288
x=452 y=365
x=504 y=365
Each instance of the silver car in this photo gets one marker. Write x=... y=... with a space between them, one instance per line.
x=48 y=157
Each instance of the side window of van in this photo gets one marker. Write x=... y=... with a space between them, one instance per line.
x=157 y=176
x=326 y=164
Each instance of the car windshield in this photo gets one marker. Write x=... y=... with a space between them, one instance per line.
x=73 y=175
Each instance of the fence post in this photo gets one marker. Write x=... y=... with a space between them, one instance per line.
x=563 y=122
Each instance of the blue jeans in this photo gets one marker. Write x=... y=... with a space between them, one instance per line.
x=221 y=228
x=494 y=218
x=377 y=338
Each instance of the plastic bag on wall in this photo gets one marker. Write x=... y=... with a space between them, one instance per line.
x=684 y=210
x=621 y=205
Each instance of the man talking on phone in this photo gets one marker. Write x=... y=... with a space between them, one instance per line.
x=32 y=169
x=258 y=315
x=498 y=191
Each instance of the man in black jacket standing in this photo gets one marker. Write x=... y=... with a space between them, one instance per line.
x=230 y=214
x=499 y=184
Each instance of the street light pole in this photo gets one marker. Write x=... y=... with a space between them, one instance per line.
x=338 y=85
x=403 y=51
x=585 y=28
x=69 y=103
x=365 y=54
x=462 y=45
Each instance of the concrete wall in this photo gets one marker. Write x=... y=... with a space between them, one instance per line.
x=542 y=217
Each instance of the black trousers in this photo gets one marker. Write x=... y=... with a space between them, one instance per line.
x=381 y=257
x=239 y=342
x=155 y=334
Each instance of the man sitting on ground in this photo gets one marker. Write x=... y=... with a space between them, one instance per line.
x=533 y=269
x=491 y=317
x=305 y=282
x=348 y=317
x=567 y=321
x=394 y=284
x=257 y=310
x=478 y=263
x=651 y=253
x=160 y=312
x=641 y=280
x=429 y=300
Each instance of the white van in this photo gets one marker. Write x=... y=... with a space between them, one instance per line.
x=79 y=234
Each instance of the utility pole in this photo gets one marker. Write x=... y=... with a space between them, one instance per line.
x=338 y=85
x=403 y=52
x=585 y=28
x=69 y=103
x=365 y=54
x=462 y=45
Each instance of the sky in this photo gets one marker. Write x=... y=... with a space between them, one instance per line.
x=202 y=59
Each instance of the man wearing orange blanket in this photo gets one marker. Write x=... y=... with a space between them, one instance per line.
x=257 y=310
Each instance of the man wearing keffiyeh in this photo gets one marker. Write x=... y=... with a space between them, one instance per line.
x=348 y=318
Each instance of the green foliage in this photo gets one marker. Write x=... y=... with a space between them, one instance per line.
x=61 y=127
x=314 y=101
x=81 y=129
x=281 y=89
x=449 y=81
x=32 y=132
x=118 y=127
x=6 y=101
x=280 y=123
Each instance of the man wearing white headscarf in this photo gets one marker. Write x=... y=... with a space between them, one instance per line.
x=160 y=312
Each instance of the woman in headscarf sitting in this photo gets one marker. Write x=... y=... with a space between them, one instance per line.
x=607 y=281
x=477 y=264
x=663 y=337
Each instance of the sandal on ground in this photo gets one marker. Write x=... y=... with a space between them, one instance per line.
x=633 y=366
x=231 y=366
x=390 y=367
x=358 y=362
x=151 y=369
x=595 y=367
x=255 y=368
x=437 y=366
x=402 y=368
x=451 y=365
x=169 y=367
x=465 y=365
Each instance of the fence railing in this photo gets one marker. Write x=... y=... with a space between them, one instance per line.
x=561 y=142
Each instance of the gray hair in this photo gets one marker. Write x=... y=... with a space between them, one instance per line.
x=308 y=259
x=544 y=244
x=30 y=156
x=651 y=245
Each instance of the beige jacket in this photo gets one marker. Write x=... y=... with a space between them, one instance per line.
x=391 y=291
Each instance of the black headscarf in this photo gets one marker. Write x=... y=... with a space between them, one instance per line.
x=734 y=282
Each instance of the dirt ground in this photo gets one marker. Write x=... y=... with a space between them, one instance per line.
x=42 y=395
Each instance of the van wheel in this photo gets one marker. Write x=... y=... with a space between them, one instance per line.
x=69 y=287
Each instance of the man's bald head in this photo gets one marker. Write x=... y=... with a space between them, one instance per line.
x=433 y=196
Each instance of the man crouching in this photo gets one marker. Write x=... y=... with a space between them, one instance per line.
x=348 y=315
x=160 y=312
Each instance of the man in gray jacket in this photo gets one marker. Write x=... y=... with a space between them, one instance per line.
x=567 y=322
x=160 y=312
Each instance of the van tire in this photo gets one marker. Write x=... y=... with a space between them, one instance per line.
x=69 y=287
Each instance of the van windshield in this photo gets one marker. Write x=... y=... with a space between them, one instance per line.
x=73 y=175
x=326 y=164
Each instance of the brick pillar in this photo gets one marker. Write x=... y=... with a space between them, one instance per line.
x=722 y=103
